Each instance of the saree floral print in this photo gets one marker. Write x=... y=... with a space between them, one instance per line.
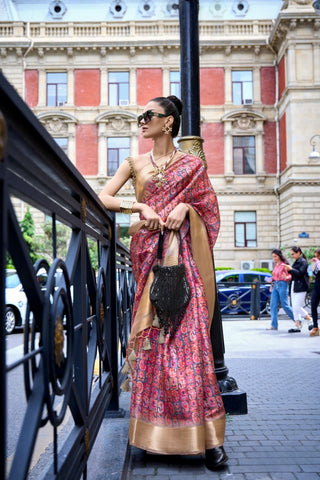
x=176 y=406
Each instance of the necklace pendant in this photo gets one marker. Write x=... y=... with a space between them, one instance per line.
x=159 y=176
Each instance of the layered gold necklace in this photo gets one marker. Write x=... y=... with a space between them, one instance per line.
x=159 y=172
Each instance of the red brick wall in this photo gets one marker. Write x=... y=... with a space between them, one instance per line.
x=211 y=86
x=149 y=84
x=31 y=87
x=268 y=85
x=213 y=146
x=270 y=147
x=145 y=144
x=87 y=88
x=283 y=142
x=282 y=76
x=87 y=149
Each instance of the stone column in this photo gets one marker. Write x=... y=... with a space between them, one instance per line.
x=103 y=86
x=316 y=63
x=102 y=150
x=166 y=81
x=256 y=85
x=291 y=64
x=72 y=142
x=132 y=86
x=259 y=151
x=228 y=149
x=228 y=85
x=70 y=92
x=42 y=88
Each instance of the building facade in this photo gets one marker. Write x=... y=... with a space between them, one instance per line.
x=87 y=70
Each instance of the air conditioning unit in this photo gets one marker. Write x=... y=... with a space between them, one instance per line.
x=266 y=264
x=60 y=104
x=123 y=102
x=247 y=265
x=248 y=101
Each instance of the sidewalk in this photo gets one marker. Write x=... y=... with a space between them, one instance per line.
x=279 y=438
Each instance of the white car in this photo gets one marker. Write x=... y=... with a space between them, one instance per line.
x=16 y=302
x=16 y=299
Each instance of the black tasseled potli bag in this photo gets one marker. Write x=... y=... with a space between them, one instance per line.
x=170 y=291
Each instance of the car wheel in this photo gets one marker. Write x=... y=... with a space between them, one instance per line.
x=10 y=320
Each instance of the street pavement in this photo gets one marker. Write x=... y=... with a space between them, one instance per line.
x=279 y=438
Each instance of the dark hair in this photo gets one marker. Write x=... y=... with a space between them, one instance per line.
x=171 y=105
x=298 y=250
x=317 y=251
x=278 y=252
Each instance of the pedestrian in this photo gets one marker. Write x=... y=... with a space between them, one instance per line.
x=315 y=295
x=280 y=288
x=299 y=285
x=176 y=406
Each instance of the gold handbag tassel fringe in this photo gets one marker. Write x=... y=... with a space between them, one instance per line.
x=161 y=337
x=125 y=387
x=146 y=344
x=156 y=322
x=125 y=369
x=132 y=357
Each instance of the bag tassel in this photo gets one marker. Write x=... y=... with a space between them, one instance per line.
x=125 y=369
x=146 y=344
x=125 y=387
x=132 y=357
x=161 y=337
x=156 y=322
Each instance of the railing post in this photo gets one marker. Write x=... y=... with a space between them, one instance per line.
x=114 y=402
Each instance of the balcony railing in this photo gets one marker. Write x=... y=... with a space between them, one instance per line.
x=133 y=31
x=75 y=328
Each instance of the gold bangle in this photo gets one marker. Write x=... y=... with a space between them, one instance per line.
x=126 y=206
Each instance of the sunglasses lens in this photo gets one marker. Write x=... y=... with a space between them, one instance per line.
x=146 y=117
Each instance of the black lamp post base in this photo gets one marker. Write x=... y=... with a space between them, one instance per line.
x=235 y=403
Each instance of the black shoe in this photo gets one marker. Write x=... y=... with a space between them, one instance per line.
x=310 y=327
x=215 y=457
x=294 y=330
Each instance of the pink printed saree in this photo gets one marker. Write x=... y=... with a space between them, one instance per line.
x=176 y=406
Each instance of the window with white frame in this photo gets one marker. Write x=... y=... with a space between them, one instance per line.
x=57 y=86
x=175 y=88
x=118 y=88
x=244 y=155
x=245 y=229
x=242 y=87
x=118 y=150
x=63 y=143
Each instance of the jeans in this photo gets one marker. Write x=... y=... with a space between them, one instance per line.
x=280 y=293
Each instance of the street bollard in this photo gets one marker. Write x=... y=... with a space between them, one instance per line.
x=255 y=301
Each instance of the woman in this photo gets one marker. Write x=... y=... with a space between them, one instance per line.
x=299 y=285
x=280 y=278
x=176 y=406
x=315 y=296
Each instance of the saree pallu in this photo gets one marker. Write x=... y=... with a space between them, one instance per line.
x=176 y=406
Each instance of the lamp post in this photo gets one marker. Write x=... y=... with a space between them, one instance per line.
x=235 y=400
x=314 y=155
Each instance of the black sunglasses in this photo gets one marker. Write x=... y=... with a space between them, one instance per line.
x=147 y=116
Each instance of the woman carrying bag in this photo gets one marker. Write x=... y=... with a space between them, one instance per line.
x=299 y=285
x=176 y=406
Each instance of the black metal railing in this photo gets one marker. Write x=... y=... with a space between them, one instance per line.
x=76 y=328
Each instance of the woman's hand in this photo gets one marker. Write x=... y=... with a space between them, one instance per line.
x=176 y=217
x=153 y=221
x=287 y=267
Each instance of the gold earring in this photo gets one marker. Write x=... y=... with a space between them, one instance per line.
x=167 y=129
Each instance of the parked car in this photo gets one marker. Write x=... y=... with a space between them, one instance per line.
x=234 y=290
x=16 y=299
